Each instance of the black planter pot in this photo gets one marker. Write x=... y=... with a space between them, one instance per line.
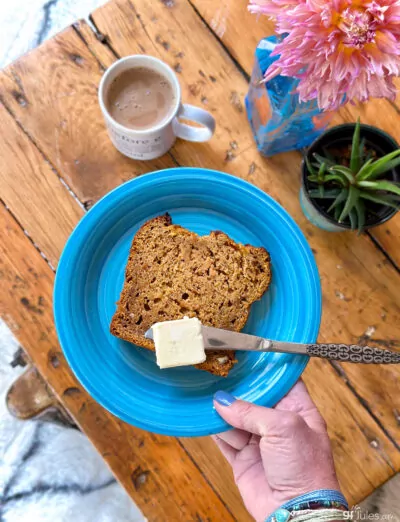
x=337 y=137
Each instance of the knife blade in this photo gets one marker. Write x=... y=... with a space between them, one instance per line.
x=218 y=339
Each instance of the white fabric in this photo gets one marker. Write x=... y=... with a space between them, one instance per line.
x=26 y=23
x=49 y=473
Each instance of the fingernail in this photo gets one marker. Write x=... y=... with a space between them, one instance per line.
x=224 y=398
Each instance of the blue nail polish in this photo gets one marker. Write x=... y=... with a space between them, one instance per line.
x=224 y=398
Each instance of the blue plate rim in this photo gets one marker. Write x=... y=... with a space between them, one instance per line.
x=108 y=199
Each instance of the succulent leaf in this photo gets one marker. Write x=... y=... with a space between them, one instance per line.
x=355 y=149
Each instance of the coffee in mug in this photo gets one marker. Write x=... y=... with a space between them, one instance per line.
x=140 y=98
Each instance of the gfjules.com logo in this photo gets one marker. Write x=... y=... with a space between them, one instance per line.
x=358 y=514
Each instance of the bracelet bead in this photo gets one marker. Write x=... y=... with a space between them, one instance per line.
x=315 y=500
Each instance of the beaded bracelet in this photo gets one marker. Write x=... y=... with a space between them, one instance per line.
x=322 y=515
x=314 y=502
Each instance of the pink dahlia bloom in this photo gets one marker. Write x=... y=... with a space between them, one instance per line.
x=337 y=48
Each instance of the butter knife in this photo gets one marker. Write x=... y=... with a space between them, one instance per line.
x=218 y=339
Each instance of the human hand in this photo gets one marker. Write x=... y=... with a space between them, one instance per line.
x=276 y=454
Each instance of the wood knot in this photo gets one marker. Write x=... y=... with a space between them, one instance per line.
x=20 y=98
x=235 y=101
x=53 y=360
x=252 y=168
x=194 y=89
x=68 y=392
x=139 y=477
x=88 y=204
x=178 y=68
x=162 y=42
x=229 y=156
x=76 y=58
x=30 y=306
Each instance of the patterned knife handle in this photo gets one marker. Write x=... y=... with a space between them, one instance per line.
x=353 y=353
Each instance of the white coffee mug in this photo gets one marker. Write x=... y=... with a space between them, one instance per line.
x=156 y=141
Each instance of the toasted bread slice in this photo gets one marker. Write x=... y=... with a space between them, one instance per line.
x=172 y=273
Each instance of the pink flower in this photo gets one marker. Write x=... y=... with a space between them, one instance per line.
x=339 y=49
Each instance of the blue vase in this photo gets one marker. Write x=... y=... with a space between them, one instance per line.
x=280 y=122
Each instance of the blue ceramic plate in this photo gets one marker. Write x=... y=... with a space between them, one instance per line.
x=124 y=378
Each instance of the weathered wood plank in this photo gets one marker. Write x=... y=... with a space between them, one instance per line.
x=96 y=42
x=52 y=92
x=388 y=237
x=207 y=456
x=29 y=187
x=155 y=470
x=241 y=31
x=350 y=267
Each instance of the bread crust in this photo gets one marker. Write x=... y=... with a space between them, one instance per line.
x=172 y=272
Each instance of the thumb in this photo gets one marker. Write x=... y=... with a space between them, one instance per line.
x=258 y=420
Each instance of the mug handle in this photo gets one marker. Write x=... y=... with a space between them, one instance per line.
x=189 y=133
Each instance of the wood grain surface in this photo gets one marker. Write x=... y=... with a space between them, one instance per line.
x=52 y=92
x=29 y=186
x=50 y=104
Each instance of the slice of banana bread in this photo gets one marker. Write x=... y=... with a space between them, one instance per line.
x=172 y=272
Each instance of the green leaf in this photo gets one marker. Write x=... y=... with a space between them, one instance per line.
x=328 y=194
x=363 y=173
x=313 y=177
x=353 y=219
x=321 y=160
x=338 y=211
x=352 y=197
x=345 y=171
x=387 y=186
x=341 y=197
x=381 y=199
x=336 y=177
x=310 y=168
x=355 y=149
x=381 y=165
x=360 y=210
x=392 y=164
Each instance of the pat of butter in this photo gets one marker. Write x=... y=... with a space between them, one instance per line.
x=178 y=343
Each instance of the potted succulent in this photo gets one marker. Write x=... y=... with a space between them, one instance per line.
x=350 y=178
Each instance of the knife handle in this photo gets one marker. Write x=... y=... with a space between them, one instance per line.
x=353 y=353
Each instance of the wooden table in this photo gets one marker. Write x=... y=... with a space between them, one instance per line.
x=57 y=160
